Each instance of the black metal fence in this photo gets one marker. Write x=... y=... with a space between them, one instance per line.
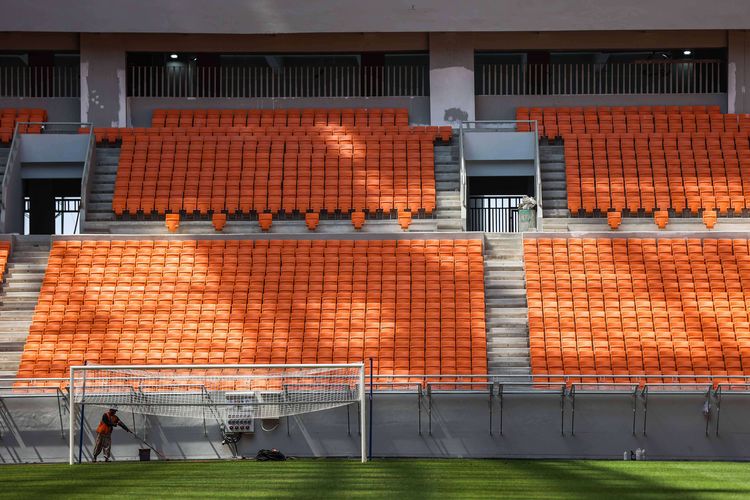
x=648 y=77
x=293 y=81
x=40 y=81
x=493 y=213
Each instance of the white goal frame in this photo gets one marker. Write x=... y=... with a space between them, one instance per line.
x=214 y=367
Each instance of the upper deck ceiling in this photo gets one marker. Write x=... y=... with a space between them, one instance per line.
x=337 y=16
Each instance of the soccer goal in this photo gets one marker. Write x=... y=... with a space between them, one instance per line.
x=229 y=393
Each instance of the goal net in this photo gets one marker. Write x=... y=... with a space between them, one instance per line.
x=224 y=392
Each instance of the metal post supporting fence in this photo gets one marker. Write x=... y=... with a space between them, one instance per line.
x=369 y=446
x=71 y=418
x=362 y=428
x=83 y=409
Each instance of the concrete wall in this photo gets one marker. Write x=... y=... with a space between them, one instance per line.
x=451 y=79
x=330 y=16
x=59 y=109
x=140 y=109
x=504 y=107
x=103 y=84
x=53 y=148
x=676 y=429
x=739 y=72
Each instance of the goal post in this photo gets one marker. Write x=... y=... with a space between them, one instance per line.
x=224 y=391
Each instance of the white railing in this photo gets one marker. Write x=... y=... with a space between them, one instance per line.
x=647 y=77
x=40 y=81
x=266 y=82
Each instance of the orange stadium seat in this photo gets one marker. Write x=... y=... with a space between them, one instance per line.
x=558 y=122
x=414 y=306
x=658 y=171
x=10 y=117
x=273 y=174
x=634 y=307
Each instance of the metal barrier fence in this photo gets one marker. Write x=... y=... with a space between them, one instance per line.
x=293 y=81
x=649 y=77
x=682 y=384
x=493 y=213
x=40 y=81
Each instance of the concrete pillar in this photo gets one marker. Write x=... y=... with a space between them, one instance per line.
x=451 y=78
x=738 y=69
x=103 y=83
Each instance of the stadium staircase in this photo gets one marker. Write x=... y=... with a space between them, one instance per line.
x=18 y=297
x=505 y=303
x=447 y=178
x=554 y=193
x=4 y=152
x=99 y=214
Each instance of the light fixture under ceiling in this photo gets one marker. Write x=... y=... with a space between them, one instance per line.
x=687 y=52
x=173 y=56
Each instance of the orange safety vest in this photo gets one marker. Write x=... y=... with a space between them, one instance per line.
x=103 y=428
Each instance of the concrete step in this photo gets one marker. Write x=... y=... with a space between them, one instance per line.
x=509 y=361
x=548 y=176
x=105 y=178
x=504 y=284
x=521 y=353
x=99 y=207
x=519 y=322
x=508 y=343
x=503 y=274
x=13 y=295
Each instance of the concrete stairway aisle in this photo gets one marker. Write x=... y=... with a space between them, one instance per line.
x=505 y=303
x=18 y=297
x=99 y=214
x=554 y=190
x=447 y=178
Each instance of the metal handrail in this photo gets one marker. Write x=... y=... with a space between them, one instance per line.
x=15 y=146
x=638 y=77
x=86 y=176
x=286 y=82
x=538 y=184
x=40 y=81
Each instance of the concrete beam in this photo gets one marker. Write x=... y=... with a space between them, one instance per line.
x=332 y=16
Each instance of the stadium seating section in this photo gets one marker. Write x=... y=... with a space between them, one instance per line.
x=638 y=306
x=266 y=161
x=414 y=306
x=274 y=174
x=10 y=117
x=557 y=122
x=375 y=123
x=678 y=171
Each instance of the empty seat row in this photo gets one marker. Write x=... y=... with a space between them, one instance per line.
x=10 y=117
x=114 y=135
x=617 y=306
x=693 y=171
x=414 y=306
x=247 y=175
x=557 y=122
x=351 y=117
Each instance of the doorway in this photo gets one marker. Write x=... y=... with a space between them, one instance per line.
x=493 y=202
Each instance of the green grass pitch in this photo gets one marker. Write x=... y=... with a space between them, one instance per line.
x=390 y=479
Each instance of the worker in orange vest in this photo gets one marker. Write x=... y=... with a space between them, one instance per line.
x=104 y=433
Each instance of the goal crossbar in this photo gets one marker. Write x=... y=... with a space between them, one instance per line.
x=188 y=391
